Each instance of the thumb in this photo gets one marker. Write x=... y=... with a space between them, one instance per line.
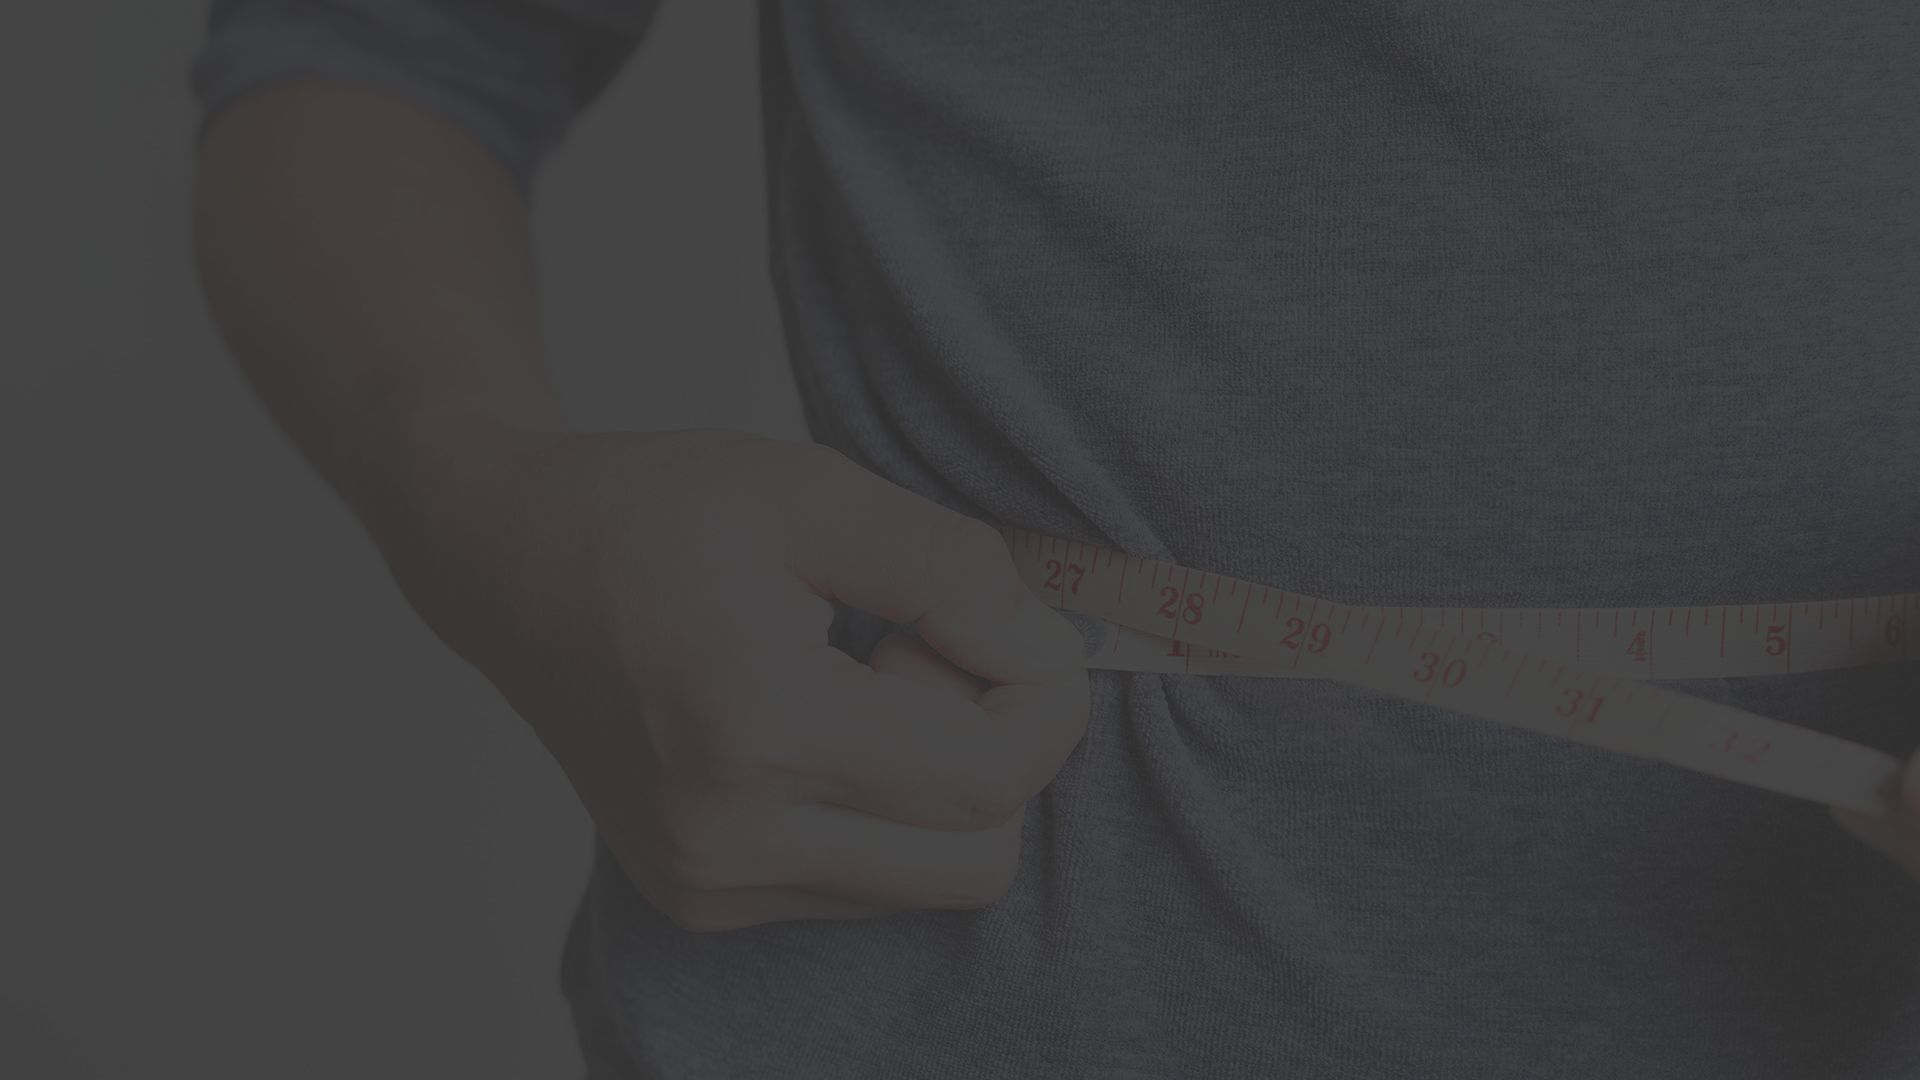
x=1905 y=812
x=903 y=653
x=1901 y=819
x=910 y=560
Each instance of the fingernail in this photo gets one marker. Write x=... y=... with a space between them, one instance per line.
x=1907 y=788
x=1094 y=633
x=1057 y=634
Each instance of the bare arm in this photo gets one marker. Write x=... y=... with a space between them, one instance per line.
x=371 y=269
x=654 y=605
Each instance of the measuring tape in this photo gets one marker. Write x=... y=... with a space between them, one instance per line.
x=1578 y=673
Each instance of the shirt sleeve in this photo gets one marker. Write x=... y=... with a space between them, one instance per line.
x=513 y=74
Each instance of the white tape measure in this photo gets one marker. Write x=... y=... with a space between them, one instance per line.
x=1579 y=673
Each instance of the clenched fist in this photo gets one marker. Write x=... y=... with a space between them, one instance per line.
x=656 y=607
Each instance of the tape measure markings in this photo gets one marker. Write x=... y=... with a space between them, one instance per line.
x=1167 y=628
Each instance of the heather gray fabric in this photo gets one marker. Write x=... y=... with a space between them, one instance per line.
x=1503 y=302
x=511 y=74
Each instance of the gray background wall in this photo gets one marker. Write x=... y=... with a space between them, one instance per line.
x=254 y=820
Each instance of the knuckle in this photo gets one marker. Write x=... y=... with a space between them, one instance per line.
x=706 y=755
x=700 y=915
x=717 y=749
x=722 y=741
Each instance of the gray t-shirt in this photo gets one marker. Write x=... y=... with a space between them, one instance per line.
x=1490 y=303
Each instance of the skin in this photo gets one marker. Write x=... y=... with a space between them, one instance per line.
x=1896 y=834
x=654 y=605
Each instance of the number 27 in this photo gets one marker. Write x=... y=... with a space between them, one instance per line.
x=1056 y=573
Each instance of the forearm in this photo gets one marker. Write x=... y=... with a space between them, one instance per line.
x=371 y=270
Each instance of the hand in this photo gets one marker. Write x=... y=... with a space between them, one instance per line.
x=1897 y=834
x=656 y=607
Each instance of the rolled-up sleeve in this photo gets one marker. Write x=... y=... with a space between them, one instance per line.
x=513 y=74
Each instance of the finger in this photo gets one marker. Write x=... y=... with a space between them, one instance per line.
x=737 y=909
x=1883 y=835
x=1895 y=834
x=865 y=860
x=897 y=748
x=908 y=559
x=1907 y=805
x=786 y=850
x=903 y=653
